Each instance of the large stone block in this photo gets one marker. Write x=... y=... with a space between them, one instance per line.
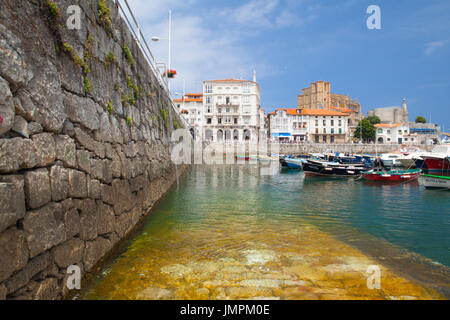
x=88 y=220
x=21 y=126
x=47 y=290
x=103 y=134
x=65 y=150
x=46 y=96
x=59 y=182
x=94 y=189
x=72 y=222
x=23 y=277
x=101 y=170
x=83 y=111
x=68 y=253
x=12 y=63
x=118 y=195
x=45 y=149
x=86 y=141
x=84 y=161
x=94 y=251
x=13 y=252
x=37 y=188
x=16 y=154
x=7 y=109
x=77 y=184
x=106 y=218
x=44 y=229
x=12 y=200
x=124 y=224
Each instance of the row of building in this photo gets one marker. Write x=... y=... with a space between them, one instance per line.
x=230 y=110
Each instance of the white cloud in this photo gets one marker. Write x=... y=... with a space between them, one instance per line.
x=435 y=45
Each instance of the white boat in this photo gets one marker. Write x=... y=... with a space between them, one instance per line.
x=434 y=181
x=391 y=159
x=410 y=160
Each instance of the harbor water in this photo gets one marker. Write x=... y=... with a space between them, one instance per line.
x=228 y=232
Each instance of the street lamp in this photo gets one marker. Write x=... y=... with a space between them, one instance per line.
x=156 y=39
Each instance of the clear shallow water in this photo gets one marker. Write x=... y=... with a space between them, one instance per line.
x=228 y=232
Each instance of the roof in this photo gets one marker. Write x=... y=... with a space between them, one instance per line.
x=343 y=110
x=388 y=125
x=323 y=112
x=229 y=80
x=188 y=100
x=194 y=95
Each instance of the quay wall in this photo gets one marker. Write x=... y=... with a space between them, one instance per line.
x=84 y=142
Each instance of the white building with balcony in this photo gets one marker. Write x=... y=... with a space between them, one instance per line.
x=232 y=110
x=190 y=107
x=309 y=125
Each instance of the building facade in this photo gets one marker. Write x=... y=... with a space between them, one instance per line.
x=398 y=133
x=232 y=110
x=308 y=125
x=191 y=108
x=319 y=97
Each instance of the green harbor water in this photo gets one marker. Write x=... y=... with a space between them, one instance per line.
x=227 y=232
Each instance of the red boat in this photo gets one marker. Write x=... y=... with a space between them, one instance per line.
x=392 y=176
x=438 y=160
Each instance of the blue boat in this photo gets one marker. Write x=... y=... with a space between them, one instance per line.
x=295 y=163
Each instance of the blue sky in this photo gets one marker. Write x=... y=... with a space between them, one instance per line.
x=293 y=43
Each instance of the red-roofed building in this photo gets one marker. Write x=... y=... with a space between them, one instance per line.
x=191 y=108
x=309 y=125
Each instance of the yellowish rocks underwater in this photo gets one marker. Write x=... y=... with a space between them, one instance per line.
x=278 y=262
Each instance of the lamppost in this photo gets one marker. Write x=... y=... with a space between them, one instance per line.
x=156 y=39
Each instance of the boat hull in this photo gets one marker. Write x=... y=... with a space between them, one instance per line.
x=294 y=164
x=437 y=164
x=434 y=182
x=318 y=169
x=391 y=177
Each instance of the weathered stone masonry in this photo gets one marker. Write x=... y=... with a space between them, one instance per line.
x=84 y=147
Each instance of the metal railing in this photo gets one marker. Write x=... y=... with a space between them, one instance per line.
x=136 y=32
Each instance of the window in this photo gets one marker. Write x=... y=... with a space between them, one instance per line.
x=380 y=130
x=208 y=109
x=208 y=88
x=325 y=139
x=340 y=131
x=332 y=131
x=208 y=121
x=219 y=110
x=324 y=123
x=208 y=99
x=317 y=130
x=324 y=130
x=235 y=120
x=219 y=120
x=332 y=123
x=340 y=123
x=228 y=100
x=317 y=123
x=246 y=88
x=228 y=110
x=246 y=99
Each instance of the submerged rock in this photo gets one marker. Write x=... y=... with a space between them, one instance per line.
x=154 y=294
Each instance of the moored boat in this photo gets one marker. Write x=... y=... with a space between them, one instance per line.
x=434 y=181
x=392 y=175
x=439 y=159
x=323 y=168
x=293 y=163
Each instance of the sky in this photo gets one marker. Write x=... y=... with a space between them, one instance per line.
x=291 y=43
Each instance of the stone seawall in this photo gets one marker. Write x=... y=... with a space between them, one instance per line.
x=84 y=141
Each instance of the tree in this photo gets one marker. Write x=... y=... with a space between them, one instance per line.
x=368 y=130
x=421 y=119
x=374 y=120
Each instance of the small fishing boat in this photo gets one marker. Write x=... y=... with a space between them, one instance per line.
x=246 y=158
x=392 y=175
x=294 y=163
x=391 y=160
x=434 y=181
x=334 y=169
